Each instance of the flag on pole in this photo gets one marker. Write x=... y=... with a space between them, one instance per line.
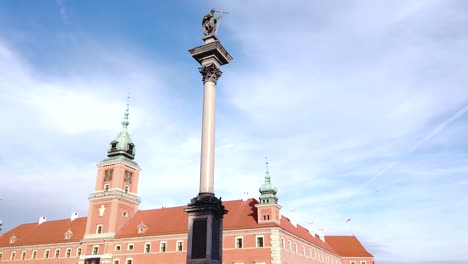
x=349 y=219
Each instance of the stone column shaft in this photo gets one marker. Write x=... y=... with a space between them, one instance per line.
x=208 y=139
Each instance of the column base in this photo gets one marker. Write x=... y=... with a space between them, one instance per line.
x=205 y=229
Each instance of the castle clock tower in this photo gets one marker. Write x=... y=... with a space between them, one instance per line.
x=115 y=198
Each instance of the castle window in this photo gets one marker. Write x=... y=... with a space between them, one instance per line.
x=239 y=242
x=128 y=177
x=295 y=248
x=78 y=252
x=13 y=255
x=68 y=253
x=99 y=229
x=259 y=241
x=147 y=247
x=180 y=244
x=162 y=246
x=363 y=262
x=352 y=262
x=126 y=189
x=129 y=261
x=108 y=175
x=12 y=239
x=95 y=250
x=130 y=148
x=125 y=214
x=117 y=247
x=113 y=145
x=116 y=261
x=57 y=253
x=130 y=247
x=1 y=256
x=47 y=253
x=23 y=255
x=283 y=244
x=106 y=187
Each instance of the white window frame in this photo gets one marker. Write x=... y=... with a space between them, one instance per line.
x=95 y=249
x=128 y=259
x=13 y=255
x=149 y=250
x=97 y=229
x=161 y=246
x=352 y=262
x=78 y=252
x=362 y=262
x=295 y=247
x=23 y=255
x=116 y=261
x=47 y=253
x=118 y=245
x=1 y=256
x=256 y=241
x=68 y=252
x=57 y=250
x=130 y=245
x=177 y=245
x=241 y=239
x=106 y=187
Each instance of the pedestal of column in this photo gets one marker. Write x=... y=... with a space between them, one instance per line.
x=205 y=211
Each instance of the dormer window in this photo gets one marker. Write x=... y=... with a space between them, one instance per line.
x=130 y=148
x=68 y=234
x=12 y=239
x=141 y=228
x=113 y=145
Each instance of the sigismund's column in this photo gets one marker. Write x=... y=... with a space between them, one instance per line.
x=206 y=211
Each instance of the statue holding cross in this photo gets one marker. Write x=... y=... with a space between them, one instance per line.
x=210 y=23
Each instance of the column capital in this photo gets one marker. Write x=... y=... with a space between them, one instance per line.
x=210 y=73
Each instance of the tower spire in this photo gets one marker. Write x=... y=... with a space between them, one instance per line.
x=127 y=112
x=267 y=172
x=123 y=146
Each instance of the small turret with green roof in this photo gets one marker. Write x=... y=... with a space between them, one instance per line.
x=122 y=146
x=267 y=190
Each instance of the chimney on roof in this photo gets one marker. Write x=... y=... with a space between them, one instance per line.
x=245 y=196
x=74 y=216
x=42 y=219
x=292 y=217
x=321 y=234
x=312 y=229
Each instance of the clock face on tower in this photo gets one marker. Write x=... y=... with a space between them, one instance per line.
x=128 y=177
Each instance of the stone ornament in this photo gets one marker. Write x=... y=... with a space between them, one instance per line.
x=210 y=73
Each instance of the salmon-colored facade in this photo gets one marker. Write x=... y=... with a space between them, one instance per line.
x=116 y=232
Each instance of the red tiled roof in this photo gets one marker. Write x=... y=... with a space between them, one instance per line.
x=174 y=220
x=303 y=233
x=46 y=233
x=163 y=221
x=347 y=246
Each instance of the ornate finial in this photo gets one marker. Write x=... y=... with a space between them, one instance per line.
x=267 y=172
x=125 y=121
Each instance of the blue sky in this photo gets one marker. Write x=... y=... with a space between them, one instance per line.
x=361 y=107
